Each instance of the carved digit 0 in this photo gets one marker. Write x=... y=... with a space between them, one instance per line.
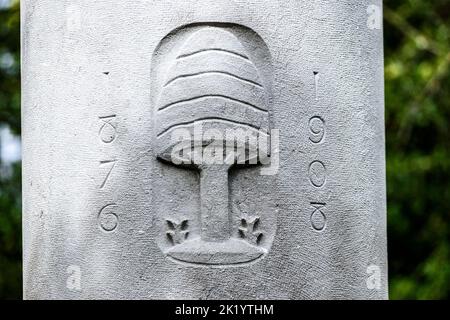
x=317 y=174
x=107 y=218
x=317 y=129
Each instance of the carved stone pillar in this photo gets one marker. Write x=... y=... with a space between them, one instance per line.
x=203 y=150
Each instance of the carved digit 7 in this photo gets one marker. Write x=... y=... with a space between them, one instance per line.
x=103 y=163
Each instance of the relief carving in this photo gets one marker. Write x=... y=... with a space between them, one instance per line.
x=212 y=83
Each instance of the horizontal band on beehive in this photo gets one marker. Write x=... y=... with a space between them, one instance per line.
x=212 y=39
x=243 y=125
x=211 y=107
x=214 y=61
x=212 y=85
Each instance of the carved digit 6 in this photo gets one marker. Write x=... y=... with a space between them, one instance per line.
x=317 y=129
x=107 y=218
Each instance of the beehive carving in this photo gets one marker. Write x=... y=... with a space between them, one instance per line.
x=212 y=81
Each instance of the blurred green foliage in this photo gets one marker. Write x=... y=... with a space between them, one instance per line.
x=10 y=67
x=10 y=236
x=10 y=185
x=417 y=59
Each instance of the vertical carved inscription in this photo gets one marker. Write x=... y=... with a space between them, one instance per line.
x=108 y=219
x=317 y=172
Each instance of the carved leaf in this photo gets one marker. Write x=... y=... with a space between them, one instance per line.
x=243 y=232
x=171 y=225
x=259 y=238
x=253 y=223
x=169 y=235
x=184 y=225
x=178 y=232
x=249 y=230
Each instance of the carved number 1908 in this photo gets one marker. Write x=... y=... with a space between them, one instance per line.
x=317 y=171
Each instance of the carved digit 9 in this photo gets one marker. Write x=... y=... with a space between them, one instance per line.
x=317 y=129
x=107 y=218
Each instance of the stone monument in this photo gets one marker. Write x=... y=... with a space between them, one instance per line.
x=203 y=150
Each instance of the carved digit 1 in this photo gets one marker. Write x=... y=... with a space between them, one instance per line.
x=316 y=84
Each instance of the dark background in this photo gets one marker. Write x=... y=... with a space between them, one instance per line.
x=417 y=59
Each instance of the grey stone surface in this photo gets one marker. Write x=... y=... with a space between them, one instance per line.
x=128 y=108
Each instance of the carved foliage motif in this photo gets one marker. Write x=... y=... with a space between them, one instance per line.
x=177 y=231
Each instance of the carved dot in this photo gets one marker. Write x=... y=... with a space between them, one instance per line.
x=317 y=174
x=318 y=220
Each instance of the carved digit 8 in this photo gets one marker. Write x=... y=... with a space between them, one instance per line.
x=317 y=129
x=318 y=218
x=107 y=131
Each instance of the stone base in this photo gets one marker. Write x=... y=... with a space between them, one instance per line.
x=229 y=252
